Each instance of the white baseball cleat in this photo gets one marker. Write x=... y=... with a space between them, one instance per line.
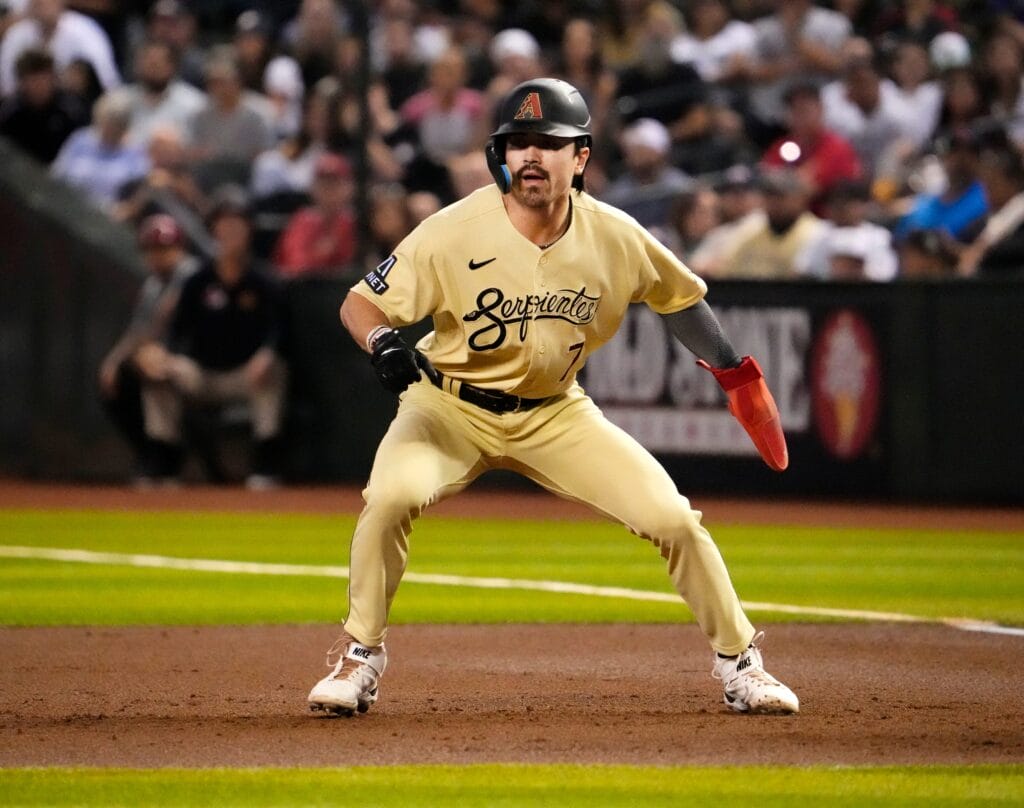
x=749 y=688
x=353 y=685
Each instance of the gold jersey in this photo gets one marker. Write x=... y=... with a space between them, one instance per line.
x=511 y=316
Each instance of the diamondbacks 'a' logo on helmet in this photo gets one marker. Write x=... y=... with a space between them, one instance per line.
x=529 y=109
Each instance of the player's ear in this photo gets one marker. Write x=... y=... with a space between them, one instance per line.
x=496 y=164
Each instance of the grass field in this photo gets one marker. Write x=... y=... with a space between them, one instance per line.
x=931 y=574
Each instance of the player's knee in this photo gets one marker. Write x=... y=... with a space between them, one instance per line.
x=394 y=499
x=673 y=525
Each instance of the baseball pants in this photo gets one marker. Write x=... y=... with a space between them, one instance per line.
x=438 y=444
x=163 y=402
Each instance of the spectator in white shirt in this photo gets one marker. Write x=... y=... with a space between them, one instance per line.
x=912 y=83
x=67 y=34
x=867 y=112
x=713 y=42
x=158 y=97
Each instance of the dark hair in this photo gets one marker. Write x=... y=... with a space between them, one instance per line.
x=33 y=61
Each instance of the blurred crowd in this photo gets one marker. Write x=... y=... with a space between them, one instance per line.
x=854 y=139
x=249 y=143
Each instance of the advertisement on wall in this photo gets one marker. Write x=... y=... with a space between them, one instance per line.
x=823 y=366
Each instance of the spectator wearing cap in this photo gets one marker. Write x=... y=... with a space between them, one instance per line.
x=515 y=57
x=781 y=248
x=173 y=23
x=649 y=186
x=851 y=247
x=67 y=35
x=821 y=156
x=959 y=207
x=999 y=248
x=157 y=96
x=162 y=244
x=253 y=47
x=321 y=237
x=98 y=159
x=223 y=347
x=740 y=207
x=230 y=125
x=283 y=88
x=40 y=116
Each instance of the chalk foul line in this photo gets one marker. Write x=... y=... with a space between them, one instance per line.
x=560 y=587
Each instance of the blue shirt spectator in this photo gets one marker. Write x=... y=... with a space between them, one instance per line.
x=98 y=159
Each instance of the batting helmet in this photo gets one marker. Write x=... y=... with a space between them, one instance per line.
x=543 y=106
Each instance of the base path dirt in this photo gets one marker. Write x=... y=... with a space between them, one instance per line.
x=635 y=694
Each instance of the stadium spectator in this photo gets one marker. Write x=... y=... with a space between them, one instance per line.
x=579 y=62
x=851 y=247
x=674 y=94
x=311 y=38
x=284 y=91
x=229 y=125
x=648 y=188
x=912 y=84
x=714 y=42
x=173 y=23
x=80 y=80
x=959 y=208
x=515 y=57
x=1004 y=77
x=915 y=20
x=162 y=245
x=98 y=159
x=67 y=35
x=797 y=42
x=963 y=100
x=781 y=248
x=390 y=220
x=158 y=96
x=223 y=346
x=253 y=41
x=869 y=113
x=40 y=116
x=401 y=70
x=169 y=187
x=321 y=238
x=821 y=156
x=695 y=215
x=740 y=212
x=999 y=249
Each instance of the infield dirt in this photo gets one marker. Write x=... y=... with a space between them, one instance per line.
x=639 y=694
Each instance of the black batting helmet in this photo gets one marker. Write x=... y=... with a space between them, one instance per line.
x=545 y=106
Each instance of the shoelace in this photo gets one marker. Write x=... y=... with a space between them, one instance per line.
x=344 y=667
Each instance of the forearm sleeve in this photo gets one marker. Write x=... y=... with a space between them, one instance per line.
x=699 y=330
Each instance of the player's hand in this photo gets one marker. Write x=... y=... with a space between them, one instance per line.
x=394 y=362
x=752 y=404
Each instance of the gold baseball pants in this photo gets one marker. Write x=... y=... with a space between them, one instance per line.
x=438 y=444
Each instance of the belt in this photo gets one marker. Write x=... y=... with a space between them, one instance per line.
x=491 y=400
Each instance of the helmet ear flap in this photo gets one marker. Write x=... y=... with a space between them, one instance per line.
x=496 y=165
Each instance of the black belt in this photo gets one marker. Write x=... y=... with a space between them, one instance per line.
x=491 y=400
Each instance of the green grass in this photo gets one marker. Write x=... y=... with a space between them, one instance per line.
x=975 y=575
x=469 y=786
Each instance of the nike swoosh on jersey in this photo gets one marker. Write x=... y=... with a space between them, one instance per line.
x=477 y=264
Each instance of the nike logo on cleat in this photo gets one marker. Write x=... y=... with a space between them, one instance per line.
x=743 y=663
x=477 y=264
x=363 y=653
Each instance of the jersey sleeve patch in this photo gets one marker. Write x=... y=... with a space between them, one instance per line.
x=375 y=278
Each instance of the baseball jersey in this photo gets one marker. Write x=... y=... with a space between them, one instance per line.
x=511 y=316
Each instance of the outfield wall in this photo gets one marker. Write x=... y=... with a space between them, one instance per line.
x=905 y=391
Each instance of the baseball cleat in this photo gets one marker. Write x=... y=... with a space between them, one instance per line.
x=353 y=684
x=749 y=688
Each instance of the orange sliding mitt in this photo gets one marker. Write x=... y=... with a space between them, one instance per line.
x=752 y=404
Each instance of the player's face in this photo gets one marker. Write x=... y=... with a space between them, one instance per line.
x=542 y=167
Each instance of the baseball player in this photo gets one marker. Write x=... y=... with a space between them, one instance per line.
x=524 y=279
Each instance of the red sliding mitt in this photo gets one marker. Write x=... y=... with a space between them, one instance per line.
x=752 y=404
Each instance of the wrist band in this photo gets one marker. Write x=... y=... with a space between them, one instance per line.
x=374 y=334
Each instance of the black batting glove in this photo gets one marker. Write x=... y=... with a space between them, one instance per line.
x=394 y=362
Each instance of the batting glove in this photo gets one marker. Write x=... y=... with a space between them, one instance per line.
x=394 y=362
